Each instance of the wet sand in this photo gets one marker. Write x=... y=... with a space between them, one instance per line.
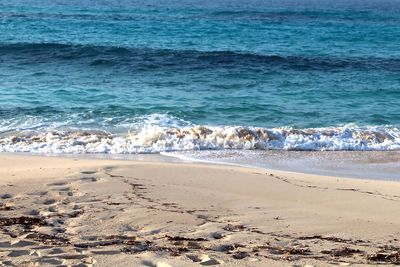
x=97 y=212
x=377 y=165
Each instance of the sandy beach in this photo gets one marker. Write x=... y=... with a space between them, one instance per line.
x=94 y=212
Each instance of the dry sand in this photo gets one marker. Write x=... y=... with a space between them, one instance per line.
x=91 y=212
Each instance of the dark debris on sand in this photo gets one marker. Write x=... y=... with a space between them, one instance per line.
x=343 y=251
x=6 y=207
x=181 y=238
x=27 y=222
x=329 y=238
x=240 y=255
x=393 y=257
x=287 y=251
x=48 y=239
x=234 y=228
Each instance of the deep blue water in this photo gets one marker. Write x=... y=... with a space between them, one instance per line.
x=121 y=66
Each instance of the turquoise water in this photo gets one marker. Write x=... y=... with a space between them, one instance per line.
x=153 y=76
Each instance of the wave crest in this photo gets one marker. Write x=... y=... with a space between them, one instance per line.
x=155 y=139
x=139 y=58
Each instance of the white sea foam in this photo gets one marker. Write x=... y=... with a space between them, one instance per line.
x=155 y=137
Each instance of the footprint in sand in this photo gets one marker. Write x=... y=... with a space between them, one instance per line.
x=5 y=244
x=5 y=196
x=53 y=209
x=218 y=235
x=22 y=243
x=32 y=212
x=106 y=252
x=82 y=265
x=49 y=261
x=90 y=238
x=65 y=191
x=18 y=253
x=88 y=172
x=56 y=251
x=58 y=184
x=58 y=230
x=74 y=257
x=89 y=179
x=49 y=201
x=204 y=260
x=40 y=193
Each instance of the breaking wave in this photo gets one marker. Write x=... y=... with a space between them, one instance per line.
x=156 y=139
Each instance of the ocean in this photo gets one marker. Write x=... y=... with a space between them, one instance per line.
x=188 y=77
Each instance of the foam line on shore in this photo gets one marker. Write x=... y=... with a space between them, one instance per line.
x=156 y=139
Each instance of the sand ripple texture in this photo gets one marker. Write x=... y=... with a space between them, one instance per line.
x=91 y=214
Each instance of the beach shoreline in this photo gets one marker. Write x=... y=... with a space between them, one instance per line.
x=371 y=165
x=99 y=212
x=199 y=133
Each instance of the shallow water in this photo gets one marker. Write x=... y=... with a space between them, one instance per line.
x=116 y=76
x=376 y=165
